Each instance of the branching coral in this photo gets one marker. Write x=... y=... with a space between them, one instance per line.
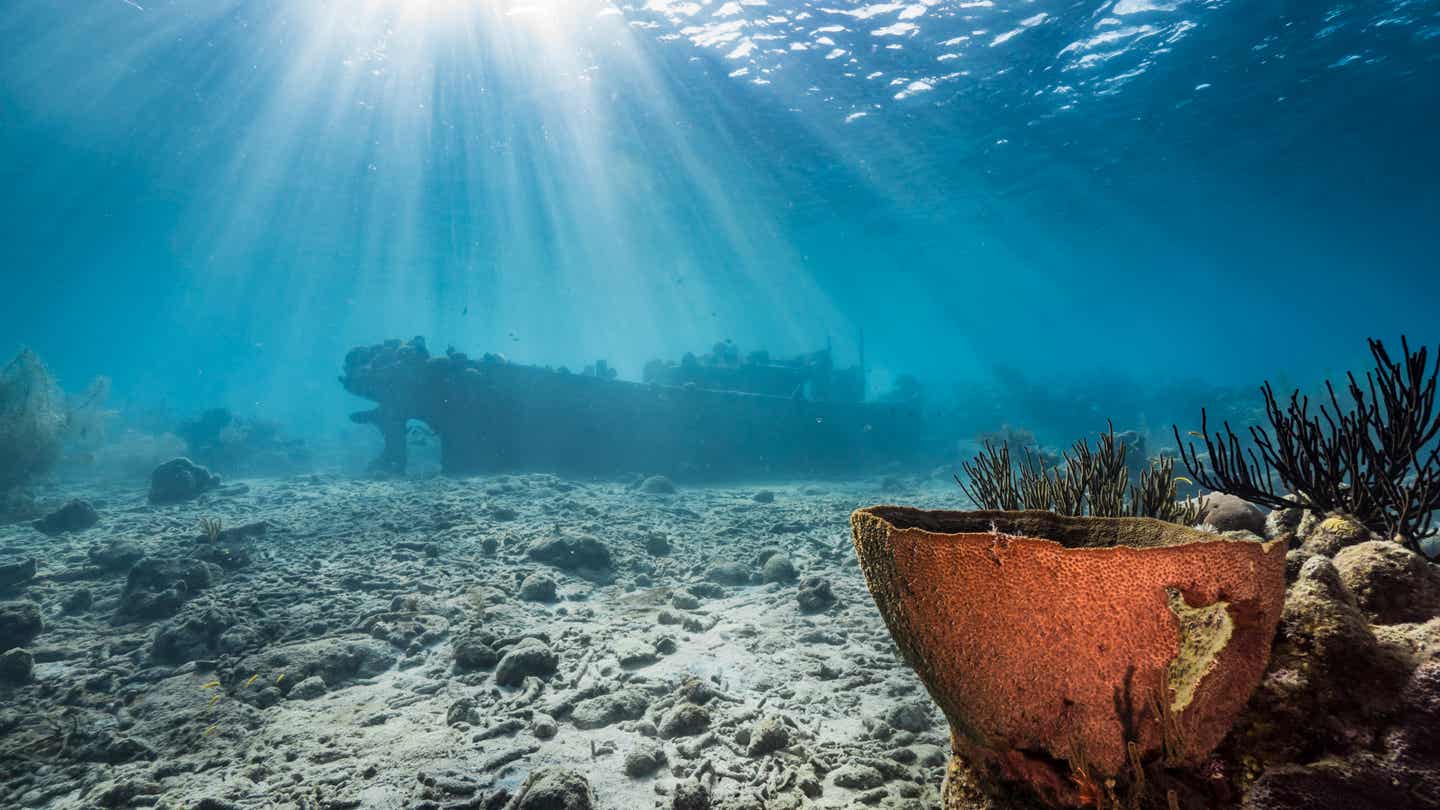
x=1094 y=481
x=1374 y=457
x=211 y=529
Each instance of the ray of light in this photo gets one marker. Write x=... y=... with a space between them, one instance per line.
x=534 y=129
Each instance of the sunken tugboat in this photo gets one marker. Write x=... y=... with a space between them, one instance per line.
x=712 y=419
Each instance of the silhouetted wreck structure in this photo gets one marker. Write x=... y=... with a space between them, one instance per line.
x=707 y=419
x=812 y=376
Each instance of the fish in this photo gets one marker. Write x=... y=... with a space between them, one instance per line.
x=215 y=699
x=1186 y=480
x=210 y=730
x=279 y=679
x=1197 y=434
x=211 y=685
x=252 y=680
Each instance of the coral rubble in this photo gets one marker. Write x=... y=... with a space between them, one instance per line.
x=375 y=647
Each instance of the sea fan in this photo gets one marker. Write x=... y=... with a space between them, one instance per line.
x=32 y=420
x=1372 y=451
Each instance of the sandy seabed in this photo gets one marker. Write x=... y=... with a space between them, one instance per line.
x=437 y=642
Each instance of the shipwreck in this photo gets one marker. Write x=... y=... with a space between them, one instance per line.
x=713 y=418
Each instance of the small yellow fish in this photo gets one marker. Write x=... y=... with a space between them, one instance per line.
x=252 y=680
x=1186 y=480
x=211 y=685
x=1197 y=434
x=210 y=730
x=215 y=700
x=279 y=679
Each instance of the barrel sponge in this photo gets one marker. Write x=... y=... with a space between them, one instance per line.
x=1056 y=645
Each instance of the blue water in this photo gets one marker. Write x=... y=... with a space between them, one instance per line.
x=210 y=202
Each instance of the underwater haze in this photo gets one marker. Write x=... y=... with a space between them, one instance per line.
x=485 y=404
x=211 y=202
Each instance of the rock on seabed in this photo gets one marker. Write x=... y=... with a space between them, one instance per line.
x=643 y=656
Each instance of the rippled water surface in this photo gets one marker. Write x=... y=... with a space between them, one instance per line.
x=1059 y=55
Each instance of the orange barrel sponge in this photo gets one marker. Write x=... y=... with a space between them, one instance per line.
x=1067 y=652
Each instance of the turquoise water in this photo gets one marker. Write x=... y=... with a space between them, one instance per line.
x=211 y=202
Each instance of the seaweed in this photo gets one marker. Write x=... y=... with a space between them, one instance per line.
x=1371 y=453
x=1093 y=481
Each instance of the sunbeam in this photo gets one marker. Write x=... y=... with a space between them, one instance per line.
x=569 y=180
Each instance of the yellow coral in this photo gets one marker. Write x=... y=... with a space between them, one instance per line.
x=1343 y=527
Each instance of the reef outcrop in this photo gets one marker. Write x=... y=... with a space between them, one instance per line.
x=75 y=516
x=180 y=479
x=1348 y=712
